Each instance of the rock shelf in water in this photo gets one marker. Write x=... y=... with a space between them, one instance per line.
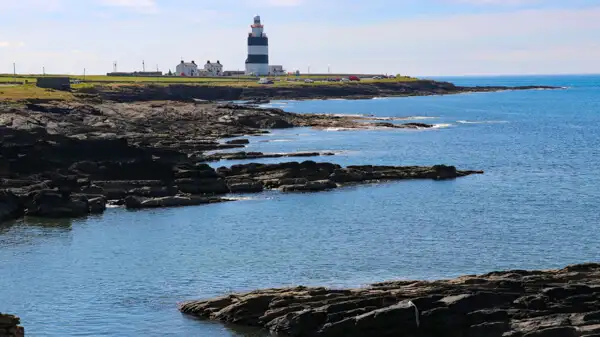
x=517 y=303
x=256 y=155
x=263 y=94
x=84 y=188
x=70 y=159
x=9 y=326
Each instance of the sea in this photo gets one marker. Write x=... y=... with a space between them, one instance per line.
x=536 y=207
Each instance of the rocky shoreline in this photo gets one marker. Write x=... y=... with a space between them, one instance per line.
x=516 y=303
x=73 y=159
x=9 y=326
x=149 y=146
x=362 y=90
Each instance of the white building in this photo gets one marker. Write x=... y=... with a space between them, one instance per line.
x=187 y=69
x=213 y=69
x=276 y=70
x=257 y=63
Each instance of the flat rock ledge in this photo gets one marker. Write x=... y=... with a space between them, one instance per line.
x=241 y=155
x=87 y=187
x=516 y=303
x=9 y=326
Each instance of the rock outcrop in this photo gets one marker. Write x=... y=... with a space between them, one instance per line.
x=257 y=155
x=9 y=326
x=71 y=159
x=10 y=206
x=57 y=204
x=313 y=176
x=262 y=94
x=133 y=202
x=515 y=303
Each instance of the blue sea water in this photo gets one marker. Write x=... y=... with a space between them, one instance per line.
x=536 y=206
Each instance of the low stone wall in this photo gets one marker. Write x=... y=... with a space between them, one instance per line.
x=57 y=83
x=9 y=326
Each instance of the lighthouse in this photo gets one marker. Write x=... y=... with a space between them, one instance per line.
x=257 y=62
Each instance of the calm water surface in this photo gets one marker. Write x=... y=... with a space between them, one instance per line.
x=122 y=273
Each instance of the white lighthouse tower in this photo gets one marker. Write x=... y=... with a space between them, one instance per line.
x=257 y=62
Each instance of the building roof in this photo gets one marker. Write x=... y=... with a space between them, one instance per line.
x=189 y=64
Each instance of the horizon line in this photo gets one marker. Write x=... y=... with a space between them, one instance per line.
x=416 y=76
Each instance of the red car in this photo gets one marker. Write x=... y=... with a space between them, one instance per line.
x=354 y=78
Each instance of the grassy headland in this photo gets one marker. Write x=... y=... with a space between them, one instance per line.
x=230 y=80
x=131 y=89
x=22 y=92
x=23 y=87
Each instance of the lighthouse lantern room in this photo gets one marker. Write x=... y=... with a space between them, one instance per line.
x=257 y=62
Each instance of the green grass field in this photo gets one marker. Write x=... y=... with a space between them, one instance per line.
x=29 y=91
x=6 y=78
x=23 y=87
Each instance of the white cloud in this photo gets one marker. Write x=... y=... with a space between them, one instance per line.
x=284 y=3
x=519 y=41
x=498 y=2
x=141 y=6
x=32 y=5
x=7 y=44
x=523 y=41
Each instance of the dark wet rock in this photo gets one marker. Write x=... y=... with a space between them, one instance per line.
x=401 y=126
x=11 y=206
x=245 y=186
x=154 y=191
x=92 y=189
x=238 y=141
x=256 y=155
x=348 y=176
x=9 y=326
x=54 y=204
x=417 y=125
x=488 y=305
x=202 y=186
x=201 y=172
x=312 y=176
x=310 y=186
x=135 y=202
x=97 y=205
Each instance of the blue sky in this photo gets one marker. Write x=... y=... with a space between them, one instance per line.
x=413 y=37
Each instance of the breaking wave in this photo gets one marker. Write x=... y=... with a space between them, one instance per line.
x=482 y=122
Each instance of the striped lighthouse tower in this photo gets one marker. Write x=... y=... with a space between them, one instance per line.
x=257 y=62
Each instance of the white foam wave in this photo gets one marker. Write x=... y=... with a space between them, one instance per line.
x=338 y=129
x=481 y=122
x=347 y=115
x=401 y=118
x=278 y=141
x=239 y=198
x=420 y=117
x=441 y=126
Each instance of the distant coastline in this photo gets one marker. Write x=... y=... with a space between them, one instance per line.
x=185 y=92
x=103 y=88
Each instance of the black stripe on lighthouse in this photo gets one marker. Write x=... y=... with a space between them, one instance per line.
x=258 y=41
x=260 y=59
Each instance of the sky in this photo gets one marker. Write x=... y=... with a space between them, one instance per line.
x=409 y=37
